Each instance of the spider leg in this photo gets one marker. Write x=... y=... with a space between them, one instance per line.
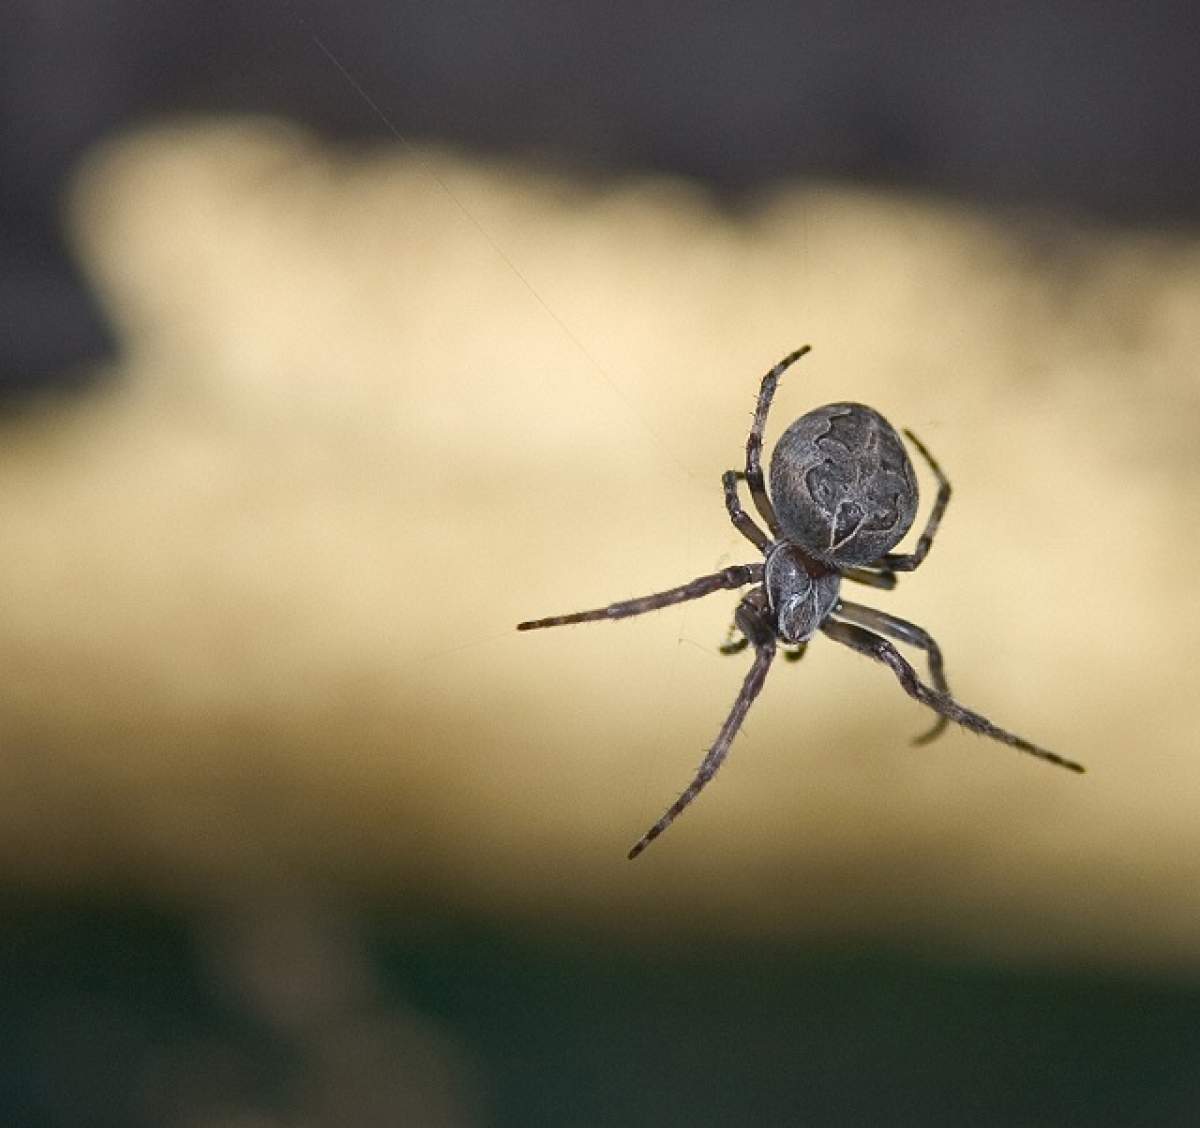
x=754 y=443
x=754 y=622
x=908 y=562
x=884 y=579
x=733 y=644
x=742 y=521
x=738 y=575
x=904 y=631
x=865 y=642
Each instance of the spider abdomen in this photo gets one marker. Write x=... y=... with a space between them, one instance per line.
x=842 y=484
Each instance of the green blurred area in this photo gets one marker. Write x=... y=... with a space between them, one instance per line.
x=119 y=1015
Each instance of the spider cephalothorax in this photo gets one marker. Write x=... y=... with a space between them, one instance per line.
x=843 y=494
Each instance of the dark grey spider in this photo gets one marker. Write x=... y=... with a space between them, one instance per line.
x=843 y=493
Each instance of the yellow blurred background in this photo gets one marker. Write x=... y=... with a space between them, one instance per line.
x=376 y=406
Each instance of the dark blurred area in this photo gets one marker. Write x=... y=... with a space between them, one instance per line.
x=120 y=1017
x=1086 y=109
x=291 y=1004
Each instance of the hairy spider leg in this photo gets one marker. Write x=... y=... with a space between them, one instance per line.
x=742 y=521
x=754 y=443
x=738 y=575
x=754 y=622
x=865 y=642
x=735 y=642
x=908 y=562
x=735 y=645
x=904 y=631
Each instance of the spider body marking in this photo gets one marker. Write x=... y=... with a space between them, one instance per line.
x=801 y=593
x=843 y=495
x=842 y=486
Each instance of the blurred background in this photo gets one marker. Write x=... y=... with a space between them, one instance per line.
x=337 y=339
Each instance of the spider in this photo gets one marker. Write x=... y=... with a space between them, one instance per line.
x=843 y=494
